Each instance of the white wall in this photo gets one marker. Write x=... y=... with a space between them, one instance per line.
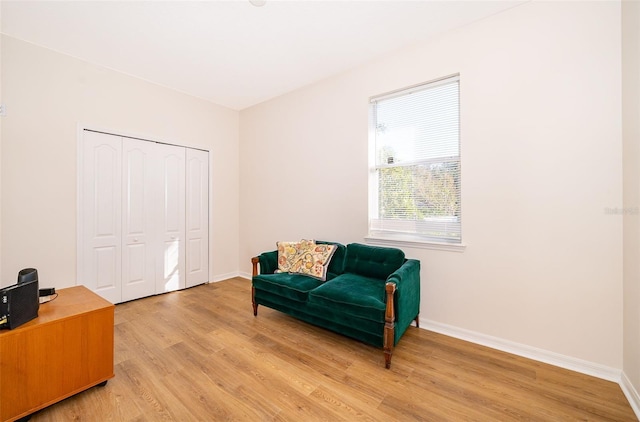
x=1 y=100
x=541 y=161
x=631 y=166
x=49 y=94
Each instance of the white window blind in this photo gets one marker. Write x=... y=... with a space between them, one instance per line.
x=415 y=172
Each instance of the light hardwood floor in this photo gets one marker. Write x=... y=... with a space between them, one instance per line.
x=201 y=355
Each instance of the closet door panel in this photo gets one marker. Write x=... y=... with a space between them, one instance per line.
x=139 y=185
x=171 y=268
x=197 y=191
x=101 y=236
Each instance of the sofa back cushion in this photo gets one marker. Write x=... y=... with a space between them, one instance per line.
x=372 y=261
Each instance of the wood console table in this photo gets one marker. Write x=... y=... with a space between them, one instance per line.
x=65 y=350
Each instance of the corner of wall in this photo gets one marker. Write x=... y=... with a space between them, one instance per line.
x=630 y=44
x=631 y=394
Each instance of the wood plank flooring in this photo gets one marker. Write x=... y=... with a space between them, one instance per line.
x=201 y=355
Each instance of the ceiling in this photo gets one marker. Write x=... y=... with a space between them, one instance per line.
x=231 y=52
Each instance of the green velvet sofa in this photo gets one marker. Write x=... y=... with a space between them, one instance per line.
x=371 y=294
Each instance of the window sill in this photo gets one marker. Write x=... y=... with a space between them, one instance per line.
x=412 y=243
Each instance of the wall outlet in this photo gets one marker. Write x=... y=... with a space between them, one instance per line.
x=3 y=110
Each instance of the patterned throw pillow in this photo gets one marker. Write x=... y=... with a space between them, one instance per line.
x=313 y=261
x=288 y=253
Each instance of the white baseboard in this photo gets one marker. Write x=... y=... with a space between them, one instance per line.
x=226 y=276
x=631 y=393
x=245 y=275
x=556 y=359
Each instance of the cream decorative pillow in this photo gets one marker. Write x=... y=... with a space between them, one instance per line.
x=288 y=253
x=313 y=261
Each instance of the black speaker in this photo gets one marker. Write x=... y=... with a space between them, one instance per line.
x=19 y=304
x=27 y=274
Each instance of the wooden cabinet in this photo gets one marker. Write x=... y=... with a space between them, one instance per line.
x=64 y=351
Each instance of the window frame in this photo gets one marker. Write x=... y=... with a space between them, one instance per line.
x=399 y=239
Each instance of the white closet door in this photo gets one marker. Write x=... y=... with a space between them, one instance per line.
x=101 y=219
x=139 y=205
x=197 y=243
x=171 y=268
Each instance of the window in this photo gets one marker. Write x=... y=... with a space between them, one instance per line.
x=415 y=164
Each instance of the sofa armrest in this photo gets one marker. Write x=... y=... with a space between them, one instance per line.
x=268 y=263
x=407 y=294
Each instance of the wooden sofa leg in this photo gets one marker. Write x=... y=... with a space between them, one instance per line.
x=253 y=301
x=417 y=320
x=389 y=325
x=254 y=263
x=388 y=352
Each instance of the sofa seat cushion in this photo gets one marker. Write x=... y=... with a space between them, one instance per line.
x=291 y=286
x=352 y=294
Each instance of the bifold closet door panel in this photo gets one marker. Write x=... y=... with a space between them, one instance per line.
x=170 y=267
x=140 y=187
x=101 y=236
x=197 y=242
